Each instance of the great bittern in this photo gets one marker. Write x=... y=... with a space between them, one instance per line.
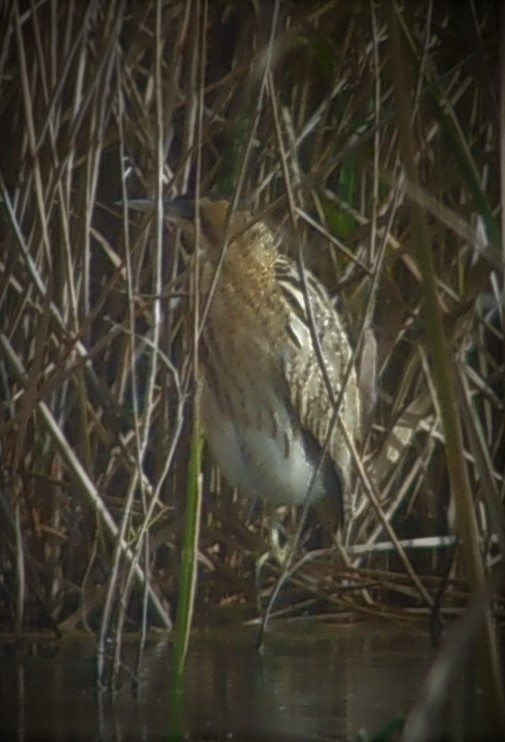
x=265 y=402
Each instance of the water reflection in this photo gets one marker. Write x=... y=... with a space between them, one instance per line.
x=310 y=689
x=302 y=688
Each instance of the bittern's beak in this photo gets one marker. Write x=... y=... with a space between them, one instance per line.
x=181 y=208
x=215 y=224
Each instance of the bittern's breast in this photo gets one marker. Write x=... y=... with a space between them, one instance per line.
x=252 y=427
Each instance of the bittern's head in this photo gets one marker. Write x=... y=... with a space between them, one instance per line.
x=217 y=221
x=219 y=224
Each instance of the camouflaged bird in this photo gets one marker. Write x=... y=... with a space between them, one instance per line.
x=265 y=404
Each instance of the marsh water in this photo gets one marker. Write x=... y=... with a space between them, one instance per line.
x=306 y=686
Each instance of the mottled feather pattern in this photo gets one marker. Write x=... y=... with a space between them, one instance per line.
x=231 y=330
x=305 y=380
x=265 y=404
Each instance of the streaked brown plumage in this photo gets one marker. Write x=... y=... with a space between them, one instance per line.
x=265 y=405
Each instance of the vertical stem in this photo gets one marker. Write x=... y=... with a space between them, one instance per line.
x=444 y=376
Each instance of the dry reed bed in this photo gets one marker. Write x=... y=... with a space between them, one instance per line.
x=292 y=105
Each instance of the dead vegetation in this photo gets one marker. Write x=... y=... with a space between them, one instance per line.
x=290 y=106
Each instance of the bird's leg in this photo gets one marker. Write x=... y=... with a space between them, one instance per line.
x=277 y=551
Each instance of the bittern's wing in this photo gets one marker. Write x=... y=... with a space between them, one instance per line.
x=308 y=388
